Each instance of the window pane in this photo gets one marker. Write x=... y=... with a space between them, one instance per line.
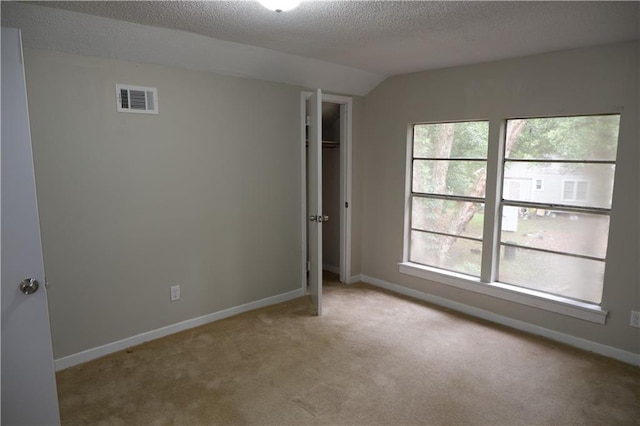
x=449 y=177
x=582 y=190
x=577 y=233
x=451 y=253
x=566 y=276
x=589 y=185
x=568 y=189
x=451 y=140
x=563 y=138
x=449 y=217
x=538 y=184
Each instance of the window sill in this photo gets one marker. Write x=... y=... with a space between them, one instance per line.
x=536 y=299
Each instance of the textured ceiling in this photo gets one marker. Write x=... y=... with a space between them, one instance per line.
x=73 y=32
x=389 y=37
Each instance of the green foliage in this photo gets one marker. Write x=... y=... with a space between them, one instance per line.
x=568 y=138
x=559 y=138
x=470 y=140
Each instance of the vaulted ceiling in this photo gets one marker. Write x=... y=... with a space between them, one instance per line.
x=355 y=40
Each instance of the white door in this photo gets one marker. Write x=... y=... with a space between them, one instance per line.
x=28 y=379
x=315 y=199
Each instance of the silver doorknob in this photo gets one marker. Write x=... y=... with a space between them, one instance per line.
x=313 y=218
x=325 y=218
x=29 y=286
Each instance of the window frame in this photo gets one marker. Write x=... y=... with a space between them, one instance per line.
x=487 y=283
x=430 y=195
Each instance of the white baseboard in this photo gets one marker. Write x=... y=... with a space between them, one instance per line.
x=354 y=279
x=331 y=268
x=608 y=351
x=100 y=351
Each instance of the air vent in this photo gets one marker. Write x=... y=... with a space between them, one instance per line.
x=137 y=99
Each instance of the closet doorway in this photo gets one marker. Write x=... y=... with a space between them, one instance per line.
x=335 y=185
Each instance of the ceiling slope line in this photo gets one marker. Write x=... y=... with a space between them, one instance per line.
x=88 y=35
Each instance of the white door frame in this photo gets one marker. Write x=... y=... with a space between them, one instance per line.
x=346 y=126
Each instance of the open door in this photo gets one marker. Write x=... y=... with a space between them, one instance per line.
x=28 y=379
x=315 y=199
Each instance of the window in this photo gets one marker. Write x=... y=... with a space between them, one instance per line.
x=575 y=190
x=550 y=209
x=582 y=188
x=569 y=190
x=448 y=173
x=562 y=252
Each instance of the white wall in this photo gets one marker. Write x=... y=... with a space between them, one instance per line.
x=584 y=81
x=206 y=194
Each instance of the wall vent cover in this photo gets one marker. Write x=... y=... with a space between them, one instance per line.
x=137 y=99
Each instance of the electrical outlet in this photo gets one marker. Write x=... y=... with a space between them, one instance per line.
x=175 y=293
x=635 y=319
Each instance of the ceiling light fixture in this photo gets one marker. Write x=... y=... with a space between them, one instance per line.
x=279 y=5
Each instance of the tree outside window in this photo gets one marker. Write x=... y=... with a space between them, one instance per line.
x=557 y=234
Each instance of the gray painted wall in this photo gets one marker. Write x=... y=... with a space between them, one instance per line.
x=584 y=81
x=331 y=207
x=331 y=186
x=206 y=195
x=357 y=184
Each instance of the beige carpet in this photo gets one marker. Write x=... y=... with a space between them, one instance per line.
x=373 y=358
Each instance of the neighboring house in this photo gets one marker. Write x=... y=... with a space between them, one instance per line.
x=581 y=185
